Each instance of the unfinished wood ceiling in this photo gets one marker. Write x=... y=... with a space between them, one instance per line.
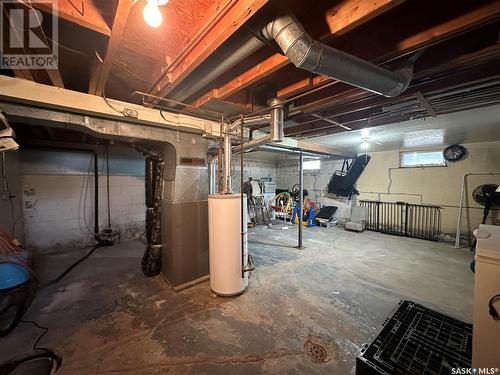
x=107 y=48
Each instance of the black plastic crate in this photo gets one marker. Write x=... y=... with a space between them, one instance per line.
x=417 y=340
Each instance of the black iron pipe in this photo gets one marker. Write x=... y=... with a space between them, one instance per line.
x=96 y=195
x=301 y=198
x=242 y=215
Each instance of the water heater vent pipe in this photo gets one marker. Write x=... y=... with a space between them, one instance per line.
x=276 y=121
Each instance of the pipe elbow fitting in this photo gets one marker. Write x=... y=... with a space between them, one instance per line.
x=404 y=78
x=316 y=57
x=291 y=37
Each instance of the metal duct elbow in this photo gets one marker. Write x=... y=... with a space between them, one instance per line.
x=316 y=57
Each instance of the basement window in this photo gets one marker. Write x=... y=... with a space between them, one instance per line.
x=312 y=165
x=422 y=159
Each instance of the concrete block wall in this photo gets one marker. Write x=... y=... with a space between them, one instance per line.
x=252 y=168
x=58 y=197
x=384 y=180
x=315 y=181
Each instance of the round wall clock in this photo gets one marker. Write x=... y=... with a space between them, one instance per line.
x=454 y=153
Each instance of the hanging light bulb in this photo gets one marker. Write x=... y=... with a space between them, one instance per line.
x=152 y=14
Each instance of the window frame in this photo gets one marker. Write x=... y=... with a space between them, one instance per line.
x=402 y=153
x=310 y=161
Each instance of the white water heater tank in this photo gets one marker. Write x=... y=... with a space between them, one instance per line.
x=226 y=256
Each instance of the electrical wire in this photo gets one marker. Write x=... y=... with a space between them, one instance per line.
x=110 y=105
x=85 y=202
x=11 y=197
x=69 y=49
x=45 y=330
x=81 y=12
x=492 y=310
x=70 y=268
x=136 y=76
x=42 y=352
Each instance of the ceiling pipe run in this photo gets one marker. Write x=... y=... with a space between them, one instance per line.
x=276 y=135
x=249 y=122
x=305 y=53
x=209 y=72
x=316 y=57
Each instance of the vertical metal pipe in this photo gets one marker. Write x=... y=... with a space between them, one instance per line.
x=227 y=164
x=107 y=187
x=96 y=195
x=220 y=165
x=301 y=197
x=276 y=122
x=242 y=216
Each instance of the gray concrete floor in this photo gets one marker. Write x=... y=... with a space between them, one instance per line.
x=106 y=317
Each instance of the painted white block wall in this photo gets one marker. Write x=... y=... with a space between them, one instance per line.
x=384 y=180
x=252 y=168
x=315 y=181
x=58 y=198
x=55 y=209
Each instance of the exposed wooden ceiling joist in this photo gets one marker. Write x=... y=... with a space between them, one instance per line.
x=24 y=74
x=353 y=113
x=340 y=19
x=83 y=13
x=427 y=37
x=229 y=19
x=349 y=14
x=101 y=72
x=252 y=75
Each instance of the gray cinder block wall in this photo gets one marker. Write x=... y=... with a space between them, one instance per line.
x=57 y=193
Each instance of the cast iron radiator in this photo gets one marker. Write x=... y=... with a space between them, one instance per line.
x=404 y=219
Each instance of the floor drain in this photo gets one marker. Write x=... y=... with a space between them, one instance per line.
x=315 y=352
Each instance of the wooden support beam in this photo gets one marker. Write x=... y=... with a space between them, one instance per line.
x=24 y=74
x=456 y=25
x=80 y=12
x=341 y=18
x=55 y=77
x=427 y=37
x=308 y=83
x=252 y=75
x=233 y=16
x=349 y=14
x=100 y=74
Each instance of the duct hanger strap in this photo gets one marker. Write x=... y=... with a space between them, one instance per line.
x=316 y=57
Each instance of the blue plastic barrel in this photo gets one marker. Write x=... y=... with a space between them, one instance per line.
x=12 y=275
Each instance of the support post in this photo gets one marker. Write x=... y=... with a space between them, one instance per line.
x=301 y=198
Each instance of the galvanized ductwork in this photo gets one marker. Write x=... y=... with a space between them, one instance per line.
x=305 y=53
x=316 y=57
x=276 y=122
